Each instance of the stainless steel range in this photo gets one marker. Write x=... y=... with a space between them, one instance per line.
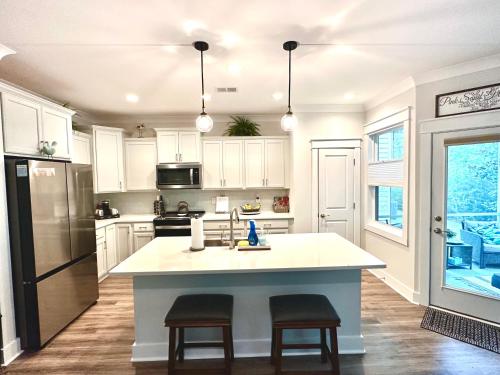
x=174 y=224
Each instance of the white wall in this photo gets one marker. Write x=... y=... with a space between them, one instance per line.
x=11 y=346
x=400 y=259
x=315 y=126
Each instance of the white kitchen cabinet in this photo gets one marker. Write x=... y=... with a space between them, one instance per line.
x=266 y=163
x=22 y=125
x=111 y=253
x=212 y=164
x=275 y=155
x=255 y=163
x=56 y=126
x=142 y=238
x=232 y=164
x=223 y=164
x=178 y=146
x=140 y=163
x=100 y=235
x=124 y=241
x=108 y=160
x=82 y=148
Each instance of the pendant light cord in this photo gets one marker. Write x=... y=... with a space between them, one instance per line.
x=289 y=77
x=202 y=86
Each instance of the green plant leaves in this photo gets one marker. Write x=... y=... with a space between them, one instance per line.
x=241 y=126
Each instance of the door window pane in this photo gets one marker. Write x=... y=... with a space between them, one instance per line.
x=472 y=242
x=389 y=205
x=389 y=145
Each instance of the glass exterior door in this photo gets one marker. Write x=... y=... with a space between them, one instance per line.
x=465 y=240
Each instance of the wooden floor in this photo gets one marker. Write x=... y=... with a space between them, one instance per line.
x=99 y=342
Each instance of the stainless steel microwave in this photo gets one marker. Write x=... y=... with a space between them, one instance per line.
x=178 y=176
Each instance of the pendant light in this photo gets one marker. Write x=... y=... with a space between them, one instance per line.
x=289 y=120
x=204 y=122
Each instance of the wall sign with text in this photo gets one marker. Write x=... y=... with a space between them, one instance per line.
x=477 y=99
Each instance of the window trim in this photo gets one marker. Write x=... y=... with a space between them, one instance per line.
x=398 y=119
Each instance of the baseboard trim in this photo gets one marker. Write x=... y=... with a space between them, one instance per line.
x=158 y=351
x=396 y=285
x=11 y=351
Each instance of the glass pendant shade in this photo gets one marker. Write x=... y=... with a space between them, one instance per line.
x=289 y=122
x=204 y=123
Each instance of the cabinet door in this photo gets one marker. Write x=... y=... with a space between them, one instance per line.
x=140 y=164
x=108 y=160
x=141 y=239
x=56 y=126
x=82 y=150
x=168 y=146
x=101 y=259
x=275 y=163
x=123 y=241
x=22 y=125
x=232 y=164
x=254 y=163
x=111 y=255
x=212 y=165
x=189 y=147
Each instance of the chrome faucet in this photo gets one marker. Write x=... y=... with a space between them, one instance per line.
x=231 y=229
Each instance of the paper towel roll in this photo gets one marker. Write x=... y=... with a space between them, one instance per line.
x=197 y=234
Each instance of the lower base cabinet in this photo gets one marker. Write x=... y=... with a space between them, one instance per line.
x=111 y=253
x=124 y=241
x=216 y=230
x=142 y=238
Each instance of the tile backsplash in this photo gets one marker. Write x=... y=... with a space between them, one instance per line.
x=142 y=202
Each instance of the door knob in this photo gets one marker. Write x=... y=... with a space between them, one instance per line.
x=440 y=231
x=438 y=218
x=323 y=216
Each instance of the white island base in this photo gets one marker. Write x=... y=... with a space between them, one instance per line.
x=308 y=263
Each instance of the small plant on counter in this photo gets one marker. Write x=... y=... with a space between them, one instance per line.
x=242 y=126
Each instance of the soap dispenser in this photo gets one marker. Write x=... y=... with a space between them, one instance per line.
x=253 y=240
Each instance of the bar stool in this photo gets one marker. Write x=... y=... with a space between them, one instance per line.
x=200 y=310
x=304 y=311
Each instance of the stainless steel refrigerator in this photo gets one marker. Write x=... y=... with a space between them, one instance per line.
x=52 y=234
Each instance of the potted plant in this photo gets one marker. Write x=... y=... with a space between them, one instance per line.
x=242 y=126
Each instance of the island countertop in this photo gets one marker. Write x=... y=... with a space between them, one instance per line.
x=290 y=252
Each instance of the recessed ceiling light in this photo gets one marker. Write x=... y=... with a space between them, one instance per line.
x=4 y=51
x=191 y=25
x=278 y=96
x=132 y=98
x=348 y=96
x=229 y=40
x=207 y=97
x=170 y=49
x=234 y=69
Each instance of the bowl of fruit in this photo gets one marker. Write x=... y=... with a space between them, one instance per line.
x=250 y=208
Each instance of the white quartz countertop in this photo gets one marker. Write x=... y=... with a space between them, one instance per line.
x=125 y=219
x=209 y=216
x=290 y=252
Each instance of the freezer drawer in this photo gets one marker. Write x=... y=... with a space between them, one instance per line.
x=65 y=295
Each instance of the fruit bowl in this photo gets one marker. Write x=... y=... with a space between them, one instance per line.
x=250 y=208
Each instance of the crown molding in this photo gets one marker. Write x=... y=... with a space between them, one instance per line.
x=328 y=108
x=385 y=95
x=467 y=67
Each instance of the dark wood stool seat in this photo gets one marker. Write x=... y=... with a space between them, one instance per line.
x=304 y=311
x=200 y=310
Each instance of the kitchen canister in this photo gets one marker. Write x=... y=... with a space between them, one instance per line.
x=197 y=234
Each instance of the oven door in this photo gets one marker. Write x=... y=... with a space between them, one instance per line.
x=172 y=230
x=178 y=176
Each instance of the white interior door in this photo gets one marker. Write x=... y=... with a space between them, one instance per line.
x=336 y=192
x=465 y=235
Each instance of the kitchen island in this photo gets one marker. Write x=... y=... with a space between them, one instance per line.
x=322 y=263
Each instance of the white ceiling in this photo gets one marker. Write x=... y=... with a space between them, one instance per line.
x=92 y=53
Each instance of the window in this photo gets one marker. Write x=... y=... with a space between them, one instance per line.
x=387 y=176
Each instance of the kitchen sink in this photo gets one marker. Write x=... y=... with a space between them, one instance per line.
x=218 y=242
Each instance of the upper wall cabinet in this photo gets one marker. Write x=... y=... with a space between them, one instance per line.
x=140 y=163
x=28 y=121
x=108 y=160
x=178 y=146
x=82 y=148
x=236 y=163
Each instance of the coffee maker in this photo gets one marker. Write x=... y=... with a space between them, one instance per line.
x=104 y=211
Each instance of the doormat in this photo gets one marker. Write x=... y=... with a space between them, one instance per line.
x=463 y=329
